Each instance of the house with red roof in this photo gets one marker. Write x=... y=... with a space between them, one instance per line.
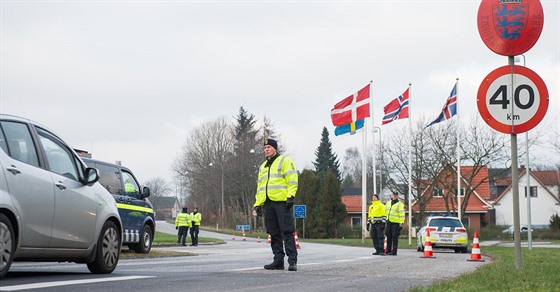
x=544 y=197
x=440 y=196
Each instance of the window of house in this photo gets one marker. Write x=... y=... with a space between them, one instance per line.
x=437 y=192
x=533 y=192
x=356 y=223
x=462 y=192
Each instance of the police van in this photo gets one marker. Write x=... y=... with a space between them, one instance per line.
x=135 y=210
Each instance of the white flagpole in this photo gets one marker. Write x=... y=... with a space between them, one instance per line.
x=458 y=154
x=364 y=182
x=373 y=142
x=409 y=164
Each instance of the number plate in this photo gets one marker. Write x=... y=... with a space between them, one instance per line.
x=446 y=235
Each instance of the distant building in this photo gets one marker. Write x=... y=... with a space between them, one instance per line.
x=166 y=207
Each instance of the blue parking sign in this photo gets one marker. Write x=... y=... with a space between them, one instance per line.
x=300 y=211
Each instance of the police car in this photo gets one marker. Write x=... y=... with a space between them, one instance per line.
x=135 y=210
x=445 y=232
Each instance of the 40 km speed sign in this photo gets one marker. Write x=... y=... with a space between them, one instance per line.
x=512 y=103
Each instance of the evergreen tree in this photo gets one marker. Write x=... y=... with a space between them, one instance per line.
x=326 y=159
x=330 y=209
x=347 y=182
x=308 y=189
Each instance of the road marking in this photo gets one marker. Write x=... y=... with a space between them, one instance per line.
x=70 y=282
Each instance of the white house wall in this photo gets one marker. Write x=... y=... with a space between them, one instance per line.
x=542 y=207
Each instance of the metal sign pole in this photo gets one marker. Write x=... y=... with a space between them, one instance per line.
x=515 y=179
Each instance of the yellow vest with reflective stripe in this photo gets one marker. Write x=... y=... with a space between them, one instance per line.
x=196 y=218
x=183 y=219
x=395 y=212
x=376 y=210
x=277 y=182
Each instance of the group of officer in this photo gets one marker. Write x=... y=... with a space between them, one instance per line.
x=183 y=222
x=388 y=218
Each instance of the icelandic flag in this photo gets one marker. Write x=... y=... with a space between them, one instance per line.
x=449 y=109
x=349 y=128
x=396 y=109
x=351 y=109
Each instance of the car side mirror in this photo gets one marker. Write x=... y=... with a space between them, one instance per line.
x=92 y=176
x=145 y=192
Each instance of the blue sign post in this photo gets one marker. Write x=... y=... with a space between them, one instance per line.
x=300 y=211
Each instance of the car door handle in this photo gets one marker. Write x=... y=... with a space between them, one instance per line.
x=13 y=169
x=60 y=185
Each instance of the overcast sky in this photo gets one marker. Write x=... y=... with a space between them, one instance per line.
x=129 y=80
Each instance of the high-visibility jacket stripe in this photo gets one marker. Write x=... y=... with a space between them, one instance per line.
x=278 y=182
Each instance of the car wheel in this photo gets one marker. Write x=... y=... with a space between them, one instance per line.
x=457 y=250
x=7 y=245
x=108 y=250
x=465 y=250
x=145 y=244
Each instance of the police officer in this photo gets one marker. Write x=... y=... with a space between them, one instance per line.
x=395 y=218
x=195 y=220
x=276 y=189
x=376 y=224
x=182 y=223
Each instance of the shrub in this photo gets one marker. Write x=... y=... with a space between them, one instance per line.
x=555 y=222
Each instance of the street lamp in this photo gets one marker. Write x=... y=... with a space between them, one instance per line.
x=377 y=130
x=222 y=213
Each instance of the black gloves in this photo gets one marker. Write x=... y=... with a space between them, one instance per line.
x=258 y=209
x=368 y=226
x=289 y=203
x=176 y=227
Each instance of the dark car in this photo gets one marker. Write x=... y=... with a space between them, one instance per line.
x=136 y=211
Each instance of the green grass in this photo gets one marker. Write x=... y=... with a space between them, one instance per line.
x=171 y=239
x=541 y=272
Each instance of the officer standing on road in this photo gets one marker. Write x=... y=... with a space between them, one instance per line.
x=277 y=184
x=376 y=224
x=182 y=223
x=395 y=218
x=195 y=218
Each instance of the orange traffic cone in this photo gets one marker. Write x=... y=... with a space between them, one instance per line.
x=233 y=237
x=428 y=247
x=258 y=239
x=475 y=254
x=297 y=240
x=244 y=238
x=269 y=240
x=385 y=245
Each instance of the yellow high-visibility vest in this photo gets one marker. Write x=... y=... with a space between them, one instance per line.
x=395 y=212
x=183 y=219
x=376 y=210
x=277 y=182
x=196 y=218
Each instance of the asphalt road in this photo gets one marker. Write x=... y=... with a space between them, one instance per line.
x=238 y=266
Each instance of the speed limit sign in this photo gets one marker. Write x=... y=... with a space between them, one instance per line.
x=512 y=103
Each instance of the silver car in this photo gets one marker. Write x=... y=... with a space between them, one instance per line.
x=51 y=206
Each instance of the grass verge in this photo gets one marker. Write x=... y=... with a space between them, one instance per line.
x=541 y=272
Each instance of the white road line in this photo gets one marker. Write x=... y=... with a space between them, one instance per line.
x=70 y=282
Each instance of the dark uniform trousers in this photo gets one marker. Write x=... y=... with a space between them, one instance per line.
x=280 y=225
x=393 y=232
x=182 y=235
x=377 y=236
x=194 y=234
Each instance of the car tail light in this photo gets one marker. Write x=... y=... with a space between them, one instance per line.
x=460 y=230
x=431 y=229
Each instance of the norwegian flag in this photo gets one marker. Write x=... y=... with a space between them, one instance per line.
x=449 y=109
x=396 y=109
x=351 y=109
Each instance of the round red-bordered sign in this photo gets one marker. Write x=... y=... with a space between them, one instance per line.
x=510 y=27
x=530 y=99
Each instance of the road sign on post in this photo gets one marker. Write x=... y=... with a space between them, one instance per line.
x=300 y=211
x=530 y=99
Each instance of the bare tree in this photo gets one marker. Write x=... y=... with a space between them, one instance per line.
x=159 y=187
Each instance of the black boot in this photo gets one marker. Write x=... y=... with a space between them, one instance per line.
x=292 y=267
x=276 y=265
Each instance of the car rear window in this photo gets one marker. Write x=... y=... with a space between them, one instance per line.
x=445 y=223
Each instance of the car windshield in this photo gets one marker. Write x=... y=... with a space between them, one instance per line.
x=445 y=223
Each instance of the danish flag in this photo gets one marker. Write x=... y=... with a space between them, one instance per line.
x=351 y=109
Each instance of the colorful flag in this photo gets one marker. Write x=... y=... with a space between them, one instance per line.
x=449 y=109
x=349 y=128
x=351 y=109
x=396 y=109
